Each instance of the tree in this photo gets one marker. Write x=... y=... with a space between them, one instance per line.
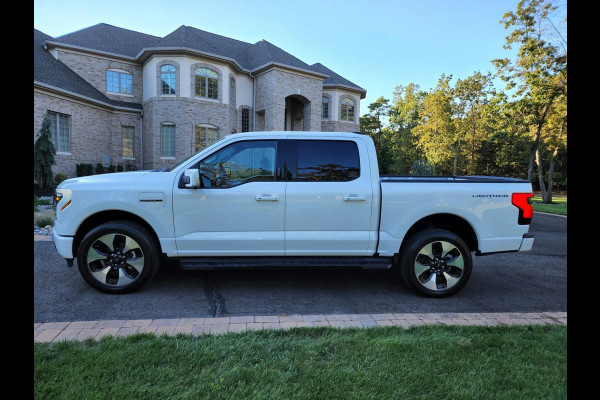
x=436 y=133
x=43 y=155
x=539 y=72
x=471 y=96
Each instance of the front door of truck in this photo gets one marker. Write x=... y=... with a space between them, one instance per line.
x=239 y=211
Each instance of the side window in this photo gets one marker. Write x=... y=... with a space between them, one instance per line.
x=239 y=163
x=327 y=161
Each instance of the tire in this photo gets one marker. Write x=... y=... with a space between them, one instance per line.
x=435 y=263
x=118 y=257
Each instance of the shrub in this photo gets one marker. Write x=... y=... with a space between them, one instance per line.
x=58 y=178
x=43 y=155
x=100 y=168
x=119 y=167
x=44 y=220
x=112 y=168
x=84 y=169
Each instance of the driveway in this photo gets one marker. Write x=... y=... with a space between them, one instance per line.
x=534 y=281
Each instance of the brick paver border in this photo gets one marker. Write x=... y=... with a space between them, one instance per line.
x=81 y=330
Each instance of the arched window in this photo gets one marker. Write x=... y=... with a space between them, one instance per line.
x=347 y=110
x=167 y=140
x=167 y=77
x=325 y=109
x=207 y=83
x=232 y=91
x=204 y=136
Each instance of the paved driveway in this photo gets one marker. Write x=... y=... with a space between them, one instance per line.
x=534 y=281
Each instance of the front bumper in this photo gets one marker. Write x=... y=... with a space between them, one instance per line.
x=64 y=245
x=527 y=242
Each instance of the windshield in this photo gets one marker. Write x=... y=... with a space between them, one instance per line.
x=188 y=158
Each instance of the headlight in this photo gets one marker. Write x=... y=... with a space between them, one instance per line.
x=62 y=199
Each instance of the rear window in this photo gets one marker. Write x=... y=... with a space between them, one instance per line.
x=327 y=161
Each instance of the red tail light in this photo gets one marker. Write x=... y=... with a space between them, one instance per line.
x=521 y=201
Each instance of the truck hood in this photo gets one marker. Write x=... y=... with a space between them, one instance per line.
x=104 y=178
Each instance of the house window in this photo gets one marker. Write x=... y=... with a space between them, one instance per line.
x=347 y=110
x=60 y=131
x=119 y=82
x=232 y=91
x=204 y=136
x=325 y=109
x=207 y=83
x=167 y=77
x=167 y=138
x=245 y=120
x=127 y=141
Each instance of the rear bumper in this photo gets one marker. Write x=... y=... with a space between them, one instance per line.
x=64 y=245
x=527 y=242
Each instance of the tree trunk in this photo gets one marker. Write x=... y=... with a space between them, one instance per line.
x=551 y=175
x=540 y=168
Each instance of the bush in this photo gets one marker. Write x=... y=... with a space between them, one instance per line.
x=84 y=169
x=112 y=168
x=100 y=168
x=58 y=178
x=421 y=167
x=119 y=167
x=44 y=220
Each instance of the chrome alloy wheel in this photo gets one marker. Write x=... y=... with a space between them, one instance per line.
x=115 y=259
x=439 y=265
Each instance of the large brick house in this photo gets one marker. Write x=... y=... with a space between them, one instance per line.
x=119 y=96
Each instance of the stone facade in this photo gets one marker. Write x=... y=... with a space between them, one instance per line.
x=284 y=99
x=94 y=132
x=93 y=69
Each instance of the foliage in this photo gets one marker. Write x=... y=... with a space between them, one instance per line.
x=84 y=169
x=58 y=178
x=43 y=220
x=422 y=168
x=100 y=168
x=467 y=127
x=43 y=155
x=119 y=167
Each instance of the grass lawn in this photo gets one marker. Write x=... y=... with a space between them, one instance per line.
x=423 y=362
x=558 y=206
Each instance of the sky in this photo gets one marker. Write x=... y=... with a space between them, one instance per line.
x=377 y=44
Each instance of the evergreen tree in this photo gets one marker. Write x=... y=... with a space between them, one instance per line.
x=43 y=155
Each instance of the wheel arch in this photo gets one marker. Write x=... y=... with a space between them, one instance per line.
x=101 y=217
x=445 y=221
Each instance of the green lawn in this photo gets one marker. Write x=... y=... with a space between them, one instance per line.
x=424 y=362
x=558 y=206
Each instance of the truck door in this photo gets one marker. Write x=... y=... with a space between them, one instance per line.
x=239 y=211
x=329 y=198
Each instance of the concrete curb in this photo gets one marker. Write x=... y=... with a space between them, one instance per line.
x=52 y=332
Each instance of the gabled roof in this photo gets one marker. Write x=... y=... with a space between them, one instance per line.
x=334 y=79
x=109 y=39
x=126 y=43
x=53 y=74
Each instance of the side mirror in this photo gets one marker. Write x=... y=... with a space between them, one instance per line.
x=191 y=178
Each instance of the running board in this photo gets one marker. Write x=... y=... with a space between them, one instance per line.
x=207 y=263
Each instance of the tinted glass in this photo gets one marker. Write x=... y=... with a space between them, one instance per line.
x=239 y=163
x=327 y=161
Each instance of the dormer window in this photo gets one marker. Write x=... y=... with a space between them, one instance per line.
x=119 y=82
x=167 y=77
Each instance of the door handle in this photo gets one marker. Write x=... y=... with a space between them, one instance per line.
x=354 y=197
x=267 y=197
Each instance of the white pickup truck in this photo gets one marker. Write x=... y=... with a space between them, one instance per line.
x=288 y=199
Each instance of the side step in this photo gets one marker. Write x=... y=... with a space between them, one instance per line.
x=207 y=263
